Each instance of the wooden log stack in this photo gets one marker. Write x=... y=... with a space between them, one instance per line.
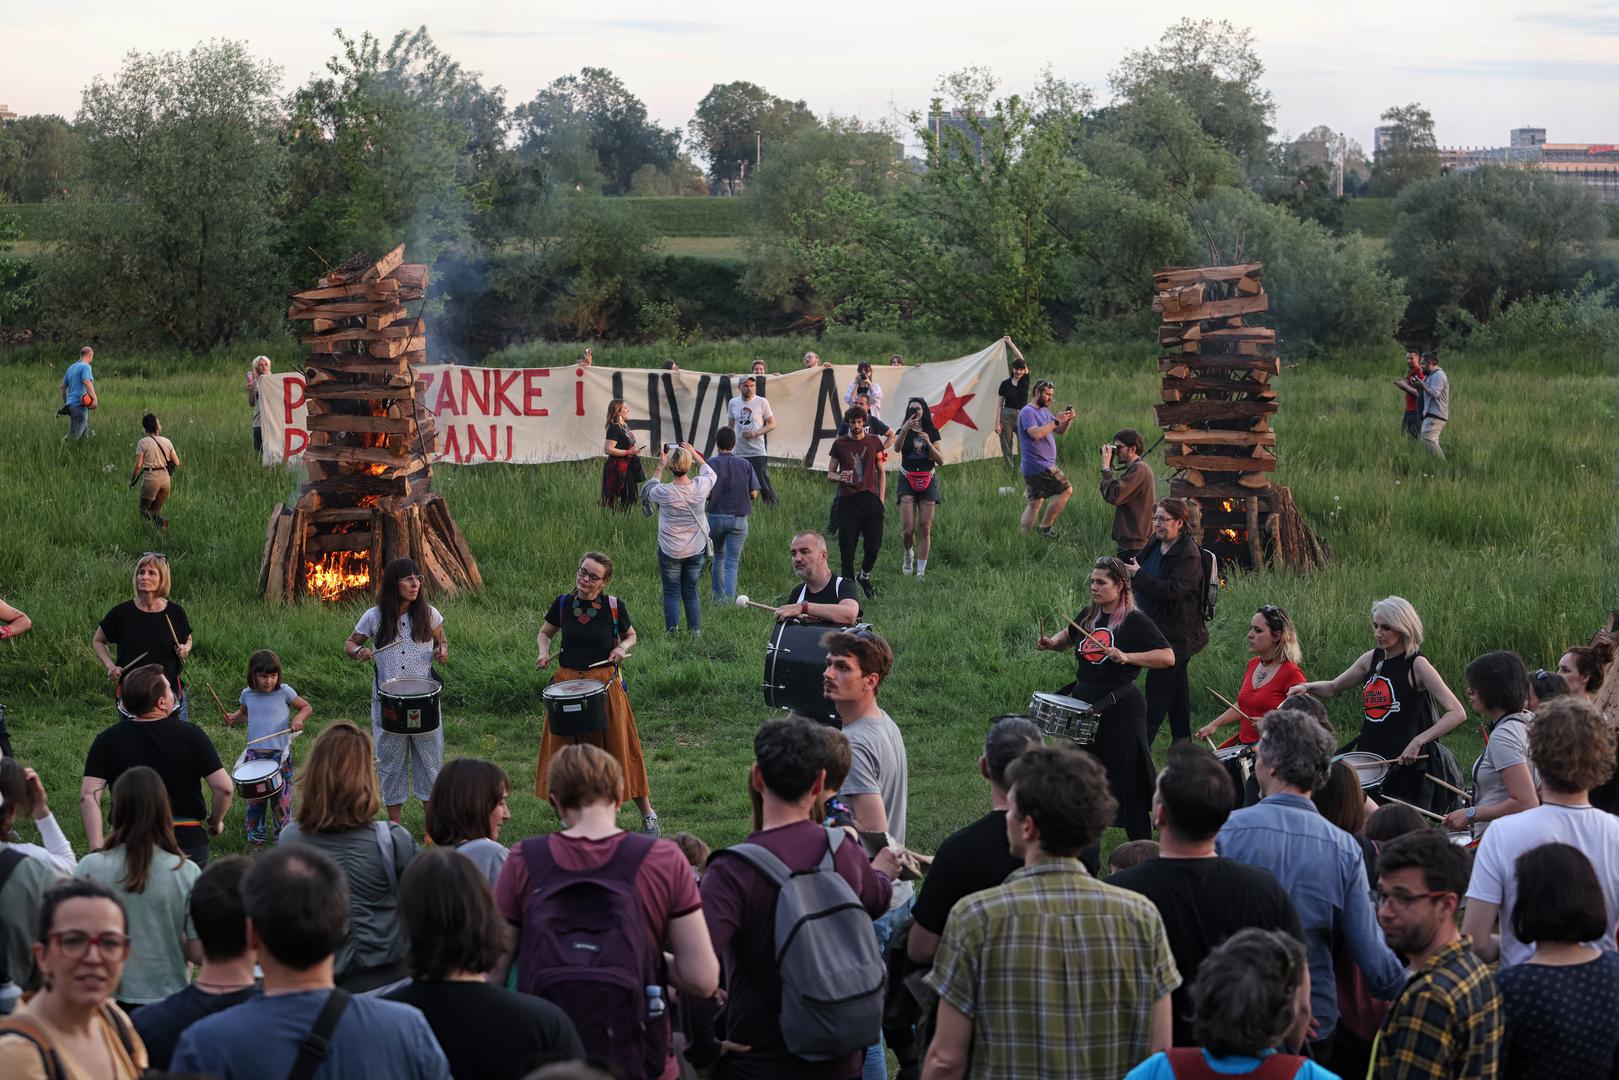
x=1218 y=398
x=369 y=495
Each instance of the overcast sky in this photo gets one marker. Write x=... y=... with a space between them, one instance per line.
x=1480 y=66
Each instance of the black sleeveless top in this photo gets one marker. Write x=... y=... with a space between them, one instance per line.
x=1394 y=710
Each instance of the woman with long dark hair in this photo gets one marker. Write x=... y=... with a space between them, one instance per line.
x=409 y=633
x=337 y=807
x=1167 y=576
x=467 y=811
x=142 y=864
x=919 y=459
x=82 y=945
x=1112 y=641
x=621 y=470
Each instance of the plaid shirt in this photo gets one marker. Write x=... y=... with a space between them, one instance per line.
x=1058 y=972
x=1447 y=1022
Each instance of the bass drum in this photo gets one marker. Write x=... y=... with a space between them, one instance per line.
x=795 y=662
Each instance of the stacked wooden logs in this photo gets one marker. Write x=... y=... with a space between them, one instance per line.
x=369 y=495
x=1218 y=399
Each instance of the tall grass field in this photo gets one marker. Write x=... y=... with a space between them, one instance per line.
x=1508 y=543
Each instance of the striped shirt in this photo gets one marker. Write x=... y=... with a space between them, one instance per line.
x=1057 y=971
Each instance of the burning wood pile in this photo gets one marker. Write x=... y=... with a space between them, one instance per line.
x=369 y=496
x=1217 y=404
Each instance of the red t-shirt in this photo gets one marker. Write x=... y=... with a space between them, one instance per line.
x=1412 y=399
x=863 y=458
x=664 y=885
x=739 y=904
x=1257 y=702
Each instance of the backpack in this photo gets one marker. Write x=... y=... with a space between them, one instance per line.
x=1208 y=593
x=832 y=975
x=584 y=949
x=10 y=859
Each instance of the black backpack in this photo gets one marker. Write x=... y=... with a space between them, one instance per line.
x=1208 y=594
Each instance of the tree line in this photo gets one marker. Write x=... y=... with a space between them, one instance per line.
x=191 y=194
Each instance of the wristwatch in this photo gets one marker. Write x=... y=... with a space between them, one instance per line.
x=1471 y=810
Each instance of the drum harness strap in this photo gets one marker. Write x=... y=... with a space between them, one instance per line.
x=612 y=608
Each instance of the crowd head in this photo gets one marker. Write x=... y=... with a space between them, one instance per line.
x=1250 y=993
x=1059 y=801
x=1396 y=624
x=1572 y=746
x=1008 y=738
x=857 y=662
x=81 y=946
x=449 y=913
x=468 y=802
x=1421 y=879
x=1293 y=750
x=218 y=910
x=1559 y=897
x=1583 y=666
x=297 y=903
x=582 y=775
x=1195 y=794
x=338 y=788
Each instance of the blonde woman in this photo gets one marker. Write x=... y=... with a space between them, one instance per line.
x=1273 y=670
x=682 y=531
x=150 y=628
x=1400 y=693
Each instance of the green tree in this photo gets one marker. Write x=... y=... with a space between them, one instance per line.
x=601 y=261
x=683 y=178
x=1476 y=242
x=594 y=109
x=16 y=276
x=40 y=157
x=733 y=115
x=392 y=145
x=1411 y=153
x=1212 y=68
x=173 y=233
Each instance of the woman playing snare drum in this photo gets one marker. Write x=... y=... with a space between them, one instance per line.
x=596 y=637
x=1272 y=672
x=409 y=633
x=1118 y=641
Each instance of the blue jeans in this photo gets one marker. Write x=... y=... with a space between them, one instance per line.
x=78 y=421
x=729 y=532
x=876 y=1064
x=680 y=577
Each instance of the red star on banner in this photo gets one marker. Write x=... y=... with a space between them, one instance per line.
x=951 y=407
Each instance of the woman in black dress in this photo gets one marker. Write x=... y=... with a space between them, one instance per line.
x=1117 y=642
x=1399 y=690
x=621 y=471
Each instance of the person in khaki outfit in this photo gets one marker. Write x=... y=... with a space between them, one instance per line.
x=155 y=459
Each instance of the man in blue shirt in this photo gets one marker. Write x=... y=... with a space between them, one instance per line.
x=729 y=504
x=1319 y=865
x=79 y=394
x=297 y=914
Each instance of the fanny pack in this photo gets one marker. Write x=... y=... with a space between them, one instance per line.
x=919 y=481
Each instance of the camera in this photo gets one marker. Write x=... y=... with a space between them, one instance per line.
x=862 y=388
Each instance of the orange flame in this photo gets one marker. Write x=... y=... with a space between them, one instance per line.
x=1230 y=534
x=337 y=574
x=1227 y=505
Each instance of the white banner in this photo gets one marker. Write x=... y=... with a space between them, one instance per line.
x=537 y=415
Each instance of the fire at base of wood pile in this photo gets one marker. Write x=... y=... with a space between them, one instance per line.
x=369 y=498
x=1217 y=403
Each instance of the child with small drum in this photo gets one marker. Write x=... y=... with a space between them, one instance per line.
x=273 y=711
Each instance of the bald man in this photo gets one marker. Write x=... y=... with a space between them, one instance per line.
x=819 y=597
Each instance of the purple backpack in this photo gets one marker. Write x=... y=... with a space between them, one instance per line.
x=584 y=949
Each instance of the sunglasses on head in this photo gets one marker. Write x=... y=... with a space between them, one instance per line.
x=158 y=555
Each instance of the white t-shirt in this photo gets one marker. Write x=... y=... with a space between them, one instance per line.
x=1495 y=878
x=752 y=415
x=682 y=513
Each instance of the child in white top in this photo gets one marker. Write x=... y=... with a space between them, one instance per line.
x=271 y=709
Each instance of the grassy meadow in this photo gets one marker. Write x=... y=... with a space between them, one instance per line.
x=1510 y=543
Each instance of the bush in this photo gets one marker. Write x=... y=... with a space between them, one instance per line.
x=1369 y=217
x=1584 y=322
x=1326 y=293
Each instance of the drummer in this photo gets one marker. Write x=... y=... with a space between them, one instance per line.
x=1399 y=689
x=1273 y=669
x=596 y=637
x=819 y=597
x=150 y=628
x=409 y=635
x=1120 y=642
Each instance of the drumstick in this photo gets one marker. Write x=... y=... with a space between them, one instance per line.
x=272 y=735
x=132 y=663
x=222 y=710
x=743 y=601
x=1229 y=704
x=1448 y=787
x=394 y=644
x=1418 y=809
x=173 y=635
x=1093 y=640
x=599 y=663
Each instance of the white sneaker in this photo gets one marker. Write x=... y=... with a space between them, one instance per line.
x=921 y=568
x=910 y=562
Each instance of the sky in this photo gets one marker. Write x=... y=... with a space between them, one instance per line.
x=1481 y=67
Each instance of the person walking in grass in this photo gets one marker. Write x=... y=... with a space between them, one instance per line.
x=155 y=461
x=79 y=394
x=1435 y=404
x=1013 y=394
x=1037 y=443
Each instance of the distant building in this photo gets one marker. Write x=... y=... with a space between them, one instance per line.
x=940 y=124
x=1524 y=138
x=6 y=115
x=1593 y=165
x=1383 y=138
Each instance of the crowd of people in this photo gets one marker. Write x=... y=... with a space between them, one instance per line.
x=1285 y=906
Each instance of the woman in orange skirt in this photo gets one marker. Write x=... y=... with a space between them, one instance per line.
x=595 y=628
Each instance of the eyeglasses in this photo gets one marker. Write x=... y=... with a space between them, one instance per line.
x=586 y=575
x=158 y=555
x=1400 y=901
x=76 y=943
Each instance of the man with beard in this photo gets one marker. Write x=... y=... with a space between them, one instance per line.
x=1037 y=443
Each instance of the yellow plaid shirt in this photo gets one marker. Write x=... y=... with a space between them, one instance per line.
x=1446 y=1023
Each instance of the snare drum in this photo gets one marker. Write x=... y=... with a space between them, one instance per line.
x=1064 y=718
x=409 y=706
x=576 y=707
x=795 y=663
x=1463 y=839
x=258 y=779
x=1372 y=769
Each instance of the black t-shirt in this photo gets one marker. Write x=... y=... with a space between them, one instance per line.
x=970 y=860
x=587 y=636
x=874 y=426
x=181 y=753
x=913 y=455
x=1016 y=395
x=161 y=1023
x=490 y=1033
x=622 y=439
x=1203 y=902
x=835 y=591
x=1135 y=633
x=137 y=632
